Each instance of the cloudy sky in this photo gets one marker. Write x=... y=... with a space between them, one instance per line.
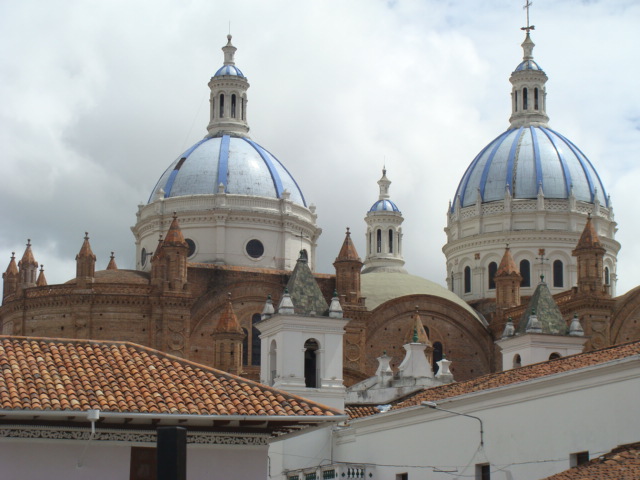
x=98 y=98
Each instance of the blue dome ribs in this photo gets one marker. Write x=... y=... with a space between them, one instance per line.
x=536 y=156
x=223 y=163
x=487 y=165
x=275 y=177
x=563 y=162
x=511 y=162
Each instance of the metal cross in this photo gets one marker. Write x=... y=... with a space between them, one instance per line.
x=529 y=27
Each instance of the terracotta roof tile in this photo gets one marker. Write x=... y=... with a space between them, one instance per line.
x=622 y=463
x=360 y=411
x=523 y=374
x=60 y=374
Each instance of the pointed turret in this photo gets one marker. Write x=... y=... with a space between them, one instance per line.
x=348 y=266
x=507 y=280
x=528 y=94
x=228 y=99
x=85 y=264
x=27 y=269
x=10 y=277
x=227 y=341
x=42 y=280
x=112 y=263
x=384 y=233
x=589 y=253
x=174 y=255
x=542 y=313
x=267 y=310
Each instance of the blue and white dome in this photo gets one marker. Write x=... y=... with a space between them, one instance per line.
x=384 y=205
x=229 y=70
x=238 y=163
x=528 y=65
x=526 y=159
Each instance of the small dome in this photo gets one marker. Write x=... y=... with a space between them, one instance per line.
x=525 y=159
x=242 y=166
x=380 y=287
x=384 y=206
x=528 y=65
x=229 y=70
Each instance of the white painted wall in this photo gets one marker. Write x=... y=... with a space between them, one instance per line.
x=530 y=430
x=28 y=459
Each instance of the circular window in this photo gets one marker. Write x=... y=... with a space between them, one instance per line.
x=143 y=257
x=254 y=248
x=192 y=247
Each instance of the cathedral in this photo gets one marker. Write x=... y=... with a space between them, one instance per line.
x=530 y=249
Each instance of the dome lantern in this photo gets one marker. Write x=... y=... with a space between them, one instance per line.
x=228 y=99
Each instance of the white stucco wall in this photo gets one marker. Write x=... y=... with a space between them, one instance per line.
x=530 y=430
x=28 y=459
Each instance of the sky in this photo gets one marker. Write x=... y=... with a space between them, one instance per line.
x=98 y=98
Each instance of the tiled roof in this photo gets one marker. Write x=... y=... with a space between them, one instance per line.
x=622 y=463
x=27 y=257
x=359 y=411
x=228 y=321
x=543 y=305
x=77 y=375
x=522 y=374
x=12 y=269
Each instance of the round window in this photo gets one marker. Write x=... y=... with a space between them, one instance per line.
x=143 y=257
x=254 y=248
x=192 y=247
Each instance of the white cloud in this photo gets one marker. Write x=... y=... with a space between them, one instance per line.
x=100 y=97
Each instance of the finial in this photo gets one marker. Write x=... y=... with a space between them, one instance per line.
x=348 y=232
x=175 y=215
x=41 y=268
x=112 y=255
x=13 y=254
x=529 y=27
x=229 y=296
x=335 y=292
x=86 y=235
x=415 y=334
x=28 y=242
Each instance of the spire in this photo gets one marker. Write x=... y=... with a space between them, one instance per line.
x=589 y=237
x=268 y=310
x=416 y=333
x=305 y=292
x=528 y=94
x=575 y=329
x=27 y=268
x=174 y=236
x=85 y=263
x=112 y=263
x=507 y=280
x=589 y=253
x=228 y=98
x=507 y=265
x=348 y=267
x=542 y=314
x=42 y=280
x=10 y=277
x=335 y=309
x=228 y=321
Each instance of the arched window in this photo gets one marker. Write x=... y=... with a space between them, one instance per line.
x=311 y=363
x=525 y=273
x=233 y=106
x=607 y=276
x=535 y=98
x=255 y=340
x=437 y=356
x=467 y=279
x=516 y=100
x=379 y=241
x=558 y=280
x=221 y=105
x=524 y=99
x=390 y=241
x=245 y=347
x=272 y=363
x=517 y=361
x=493 y=268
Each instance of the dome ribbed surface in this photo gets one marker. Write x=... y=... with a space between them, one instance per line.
x=384 y=206
x=526 y=158
x=229 y=70
x=242 y=166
